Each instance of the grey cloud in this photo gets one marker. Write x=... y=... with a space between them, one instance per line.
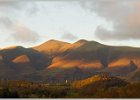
x=6 y=22
x=17 y=4
x=109 y=9
x=12 y=6
x=105 y=34
x=25 y=35
x=9 y=3
x=31 y=10
x=12 y=9
x=69 y=36
x=124 y=14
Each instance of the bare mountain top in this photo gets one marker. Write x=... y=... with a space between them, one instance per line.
x=82 y=41
x=52 y=47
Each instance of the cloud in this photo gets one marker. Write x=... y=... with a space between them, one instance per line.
x=9 y=3
x=10 y=13
x=124 y=14
x=69 y=36
x=12 y=10
x=24 y=35
x=6 y=22
x=18 y=5
x=32 y=9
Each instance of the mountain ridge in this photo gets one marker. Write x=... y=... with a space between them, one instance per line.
x=82 y=56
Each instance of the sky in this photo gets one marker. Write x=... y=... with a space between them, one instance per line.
x=32 y=22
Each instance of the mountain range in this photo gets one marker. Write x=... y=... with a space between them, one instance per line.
x=57 y=61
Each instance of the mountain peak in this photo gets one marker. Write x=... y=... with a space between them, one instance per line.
x=53 y=40
x=52 y=46
x=51 y=43
x=81 y=41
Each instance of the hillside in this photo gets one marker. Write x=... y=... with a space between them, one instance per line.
x=99 y=80
x=63 y=60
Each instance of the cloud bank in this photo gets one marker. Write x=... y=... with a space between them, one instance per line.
x=10 y=12
x=24 y=34
x=124 y=14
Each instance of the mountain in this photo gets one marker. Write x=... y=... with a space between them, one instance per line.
x=19 y=60
x=52 y=47
x=91 y=54
x=80 y=53
x=55 y=61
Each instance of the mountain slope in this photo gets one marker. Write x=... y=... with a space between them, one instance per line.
x=23 y=64
x=84 y=57
x=95 y=55
x=81 y=54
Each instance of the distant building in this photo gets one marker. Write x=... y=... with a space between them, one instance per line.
x=66 y=81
